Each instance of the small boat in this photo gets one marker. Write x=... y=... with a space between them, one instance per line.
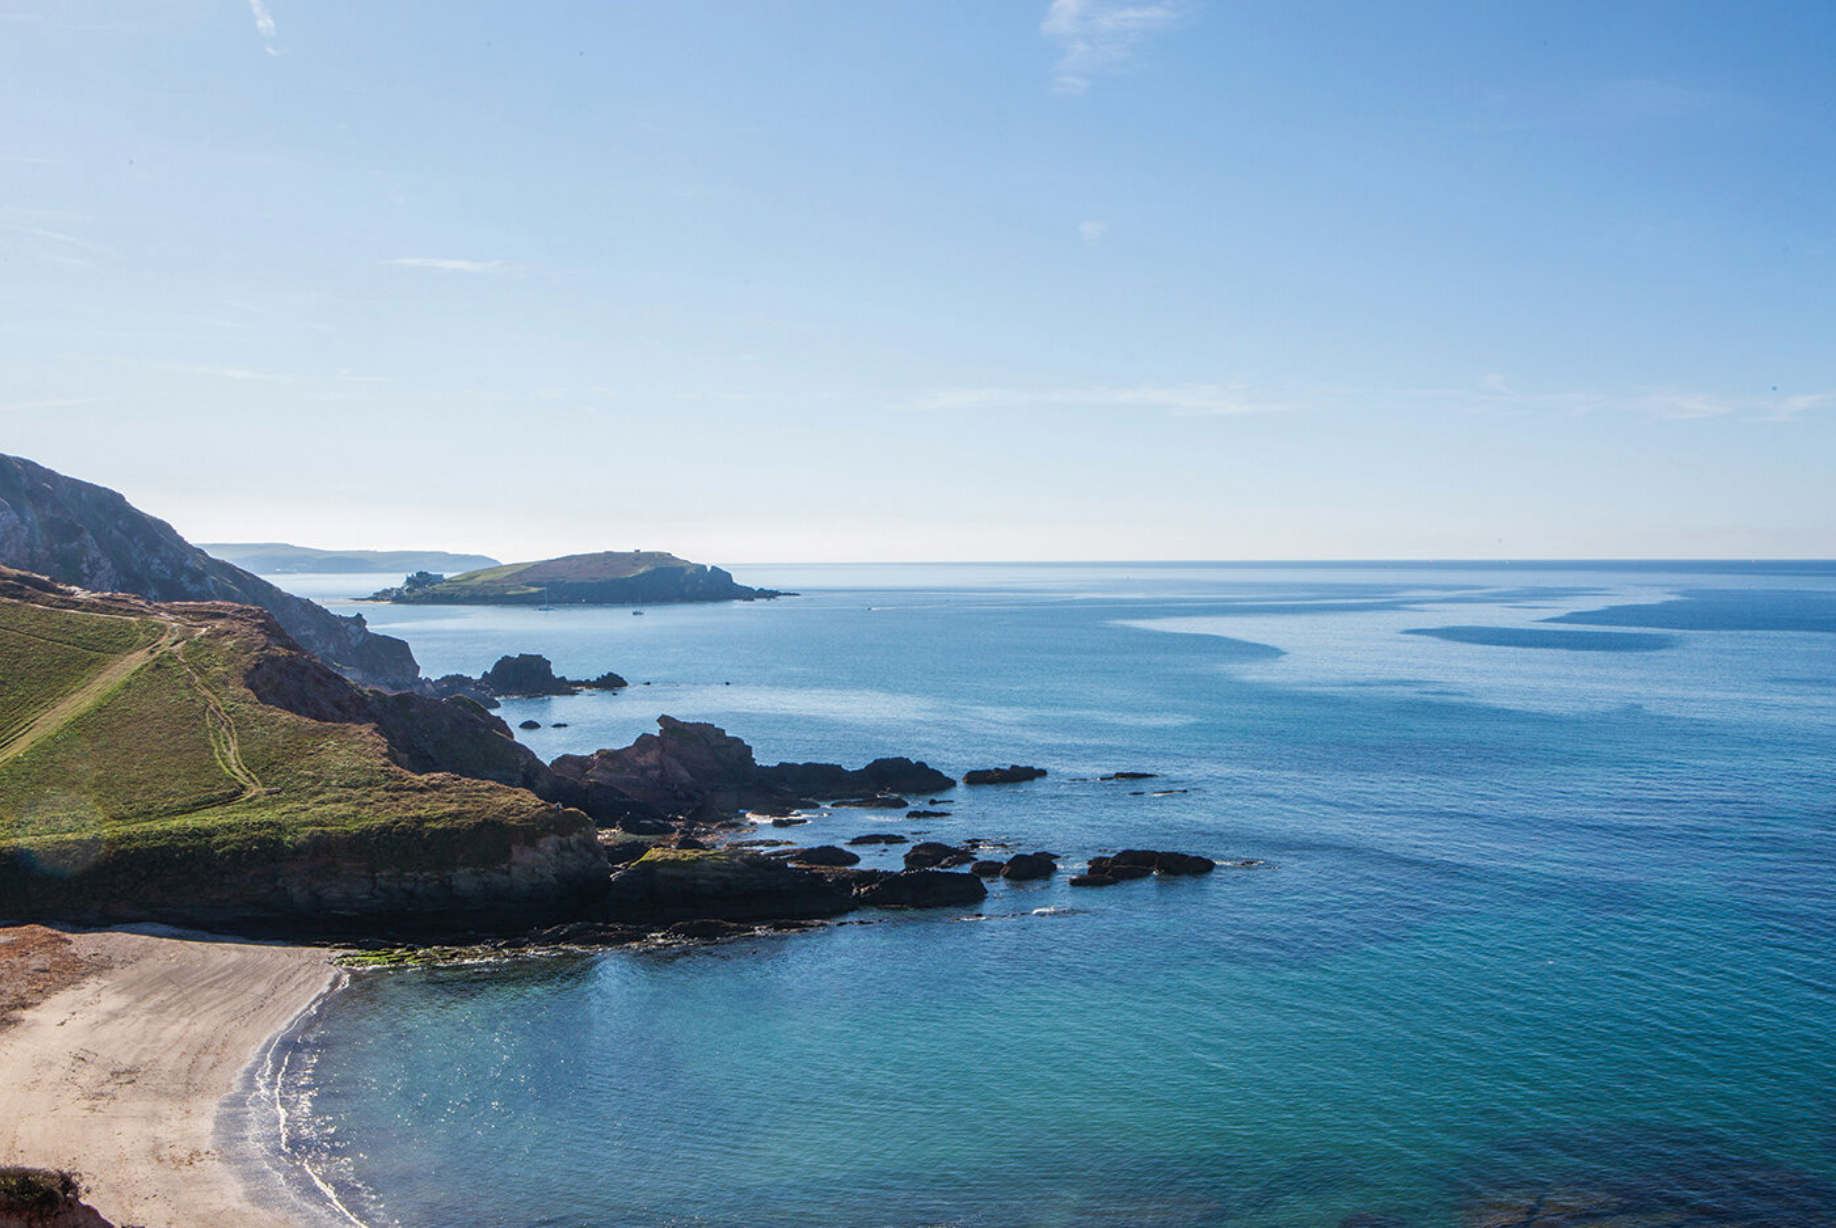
x=636 y=613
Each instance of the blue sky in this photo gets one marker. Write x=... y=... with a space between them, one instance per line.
x=776 y=280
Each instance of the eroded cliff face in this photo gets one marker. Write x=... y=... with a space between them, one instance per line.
x=87 y=535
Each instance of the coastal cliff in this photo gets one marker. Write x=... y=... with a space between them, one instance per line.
x=89 y=536
x=606 y=578
x=190 y=762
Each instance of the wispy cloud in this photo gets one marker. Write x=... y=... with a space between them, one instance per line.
x=1495 y=394
x=59 y=236
x=29 y=407
x=235 y=373
x=1096 y=36
x=264 y=25
x=1176 y=400
x=459 y=266
x=1090 y=232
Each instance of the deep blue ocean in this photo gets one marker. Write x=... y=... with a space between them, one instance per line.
x=1548 y=923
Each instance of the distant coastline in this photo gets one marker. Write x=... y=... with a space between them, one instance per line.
x=282 y=559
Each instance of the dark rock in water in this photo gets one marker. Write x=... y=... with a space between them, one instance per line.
x=677 y=885
x=960 y=857
x=624 y=852
x=881 y=837
x=929 y=853
x=526 y=673
x=607 y=681
x=882 y=776
x=1010 y=775
x=923 y=889
x=558 y=725
x=882 y=801
x=529 y=724
x=643 y=825
x=1372 y=1221
x=788 y=822
x=1139 y=863
x=759 y=844
x=987 y=869
x=1091 y=880
x=706 y=929
x=689 y=842
x=1029 y=866
x=927 y=814
x=825 y=855
x=1132 y=776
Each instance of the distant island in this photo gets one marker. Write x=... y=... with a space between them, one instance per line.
x=279 y=558
x=610 y=577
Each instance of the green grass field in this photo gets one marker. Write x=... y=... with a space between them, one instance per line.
x=47 y=654
x=146 y=765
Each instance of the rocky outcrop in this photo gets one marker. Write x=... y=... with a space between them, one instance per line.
x=534 y=880
x=824 y=855
x=1012 y=774
x=423 y=735
x=882 y=777
x=1025 y=866
x=667 y=885
x=923 y=889
x=1139 y=863
x=86 y=535
x=691 y=769
x=530 y=674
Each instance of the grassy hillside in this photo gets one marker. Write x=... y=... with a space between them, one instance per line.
x=136 y=763
x=611 y=577
x=524 y=578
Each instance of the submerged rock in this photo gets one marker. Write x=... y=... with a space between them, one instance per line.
x=881 y=837
x=881 y=801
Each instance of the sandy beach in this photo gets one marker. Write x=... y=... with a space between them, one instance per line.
x=118 y=1069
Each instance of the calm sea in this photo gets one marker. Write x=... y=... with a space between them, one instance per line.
x=1549 y=922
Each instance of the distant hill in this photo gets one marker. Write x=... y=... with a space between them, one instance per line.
x=87 y=535
x=186 y=761
x=278 y=558
x=642 y=577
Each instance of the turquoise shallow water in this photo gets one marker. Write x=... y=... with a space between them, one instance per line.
x=1539 y=919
